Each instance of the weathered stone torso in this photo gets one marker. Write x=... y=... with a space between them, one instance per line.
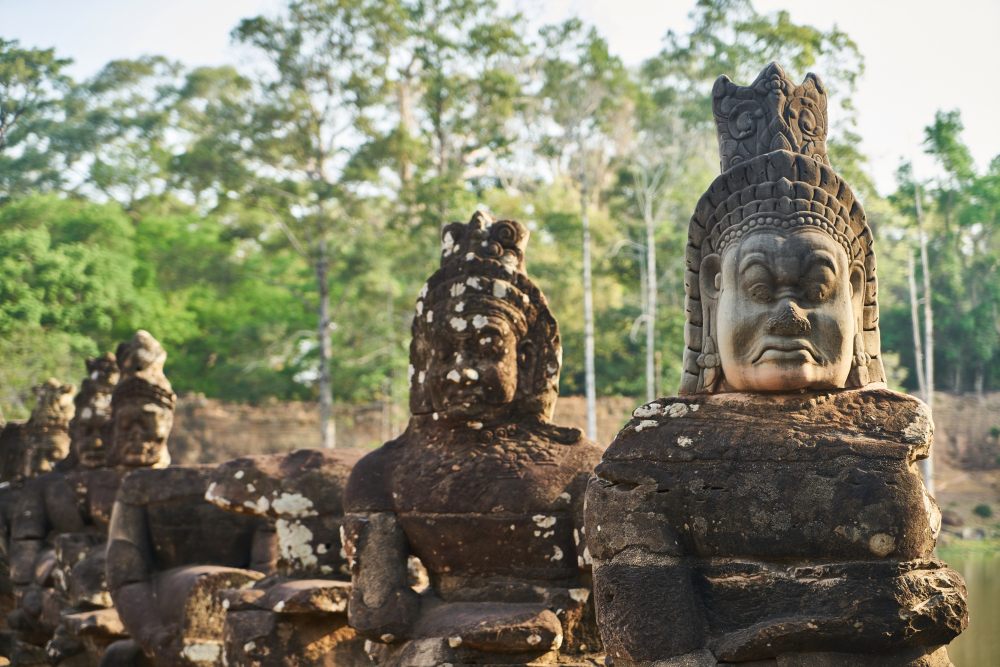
x=791 y=524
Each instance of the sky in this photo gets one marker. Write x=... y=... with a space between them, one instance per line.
x=920 y=57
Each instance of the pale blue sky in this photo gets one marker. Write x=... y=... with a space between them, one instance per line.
x=921 y=56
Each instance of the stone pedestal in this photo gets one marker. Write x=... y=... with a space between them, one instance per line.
x=786 y=530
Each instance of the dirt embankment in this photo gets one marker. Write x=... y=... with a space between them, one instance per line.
x=207 y=431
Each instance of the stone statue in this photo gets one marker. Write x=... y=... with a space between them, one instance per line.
x=481 y=487
x=773 y=514
x=28 y=449
x=296 y=616
x=58 y=536
x=142 y=407
x=169 y=550
x=36 y=446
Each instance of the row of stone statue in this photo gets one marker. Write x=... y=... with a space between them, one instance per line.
x=772 y=514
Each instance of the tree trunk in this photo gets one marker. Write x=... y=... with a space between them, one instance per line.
x=928 y=335
x=328 y=433
x=650 y=309
x=918 y=345
x=588 y=309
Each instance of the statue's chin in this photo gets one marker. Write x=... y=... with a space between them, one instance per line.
x=783 y=374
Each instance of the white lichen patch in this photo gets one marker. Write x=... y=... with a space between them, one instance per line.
x=249 y=646
x=239 y=474
x=684 y=441
x=420 y=308
x=457 y=289
x=543 y=521
x=423 y=291
x=473 y=282
x=447 y=244
x=646 y=411
x=565 y=496
x=677 y=410
x=430 y=315
x=551 y=369
x=471 y=373
x=579 y=594
x=576 y=537
x=535 y=639
x=500 y=288
x=460 y=306
x=325 y=569
x=480 y=321
x=455 y=641
x=280 y=606
x=321 y=549
x=294 y=543
x=646 y=423
x=225 y=604
x=294 y=505
x=459 y=323
x=487 y=339
x=475 y=425
x=410 y=370
x=421 y=376
x=211 y=497
x=251 y=488
x=694 y=407
x=454 y=377
x=207 y=652
x=388 y=638
x=259 y=507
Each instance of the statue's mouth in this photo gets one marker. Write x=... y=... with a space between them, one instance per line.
x=795 y=350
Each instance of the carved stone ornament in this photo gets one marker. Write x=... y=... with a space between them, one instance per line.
x=773 y=513
x=481 y=487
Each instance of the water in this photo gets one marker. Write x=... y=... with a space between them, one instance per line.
x=979 y=646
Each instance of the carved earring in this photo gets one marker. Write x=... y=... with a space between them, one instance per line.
x=859 y=373
x=708 y=362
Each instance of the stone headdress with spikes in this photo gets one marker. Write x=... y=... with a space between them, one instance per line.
x=775 y=172
x=142 y=380
x=483 y=273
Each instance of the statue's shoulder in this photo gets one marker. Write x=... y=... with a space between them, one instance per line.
x=147 y=486
x=368 y=485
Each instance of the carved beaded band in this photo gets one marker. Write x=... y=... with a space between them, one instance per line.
x=769 y=219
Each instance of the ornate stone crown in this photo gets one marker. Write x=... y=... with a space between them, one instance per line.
x=142 y=380
x=483 y=273
x=775 y=172
x=770 y=114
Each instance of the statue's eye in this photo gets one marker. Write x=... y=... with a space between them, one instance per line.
x=760 y=293
x=817 y=293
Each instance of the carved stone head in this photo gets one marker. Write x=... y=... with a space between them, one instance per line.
x=47 y=430
x=781 y=286
x=89 y=429
x=484 y=341
x=142 y=405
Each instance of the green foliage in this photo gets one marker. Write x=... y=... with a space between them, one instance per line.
x=983 y=510
x=221 y=207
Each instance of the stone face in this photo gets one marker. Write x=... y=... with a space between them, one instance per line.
x=774 y=514
x=482 y=488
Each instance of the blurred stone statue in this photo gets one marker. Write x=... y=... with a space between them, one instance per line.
x=58 y=535
x=482 y=487
x=773 y=514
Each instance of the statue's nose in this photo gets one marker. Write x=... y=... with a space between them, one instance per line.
x=789 y=320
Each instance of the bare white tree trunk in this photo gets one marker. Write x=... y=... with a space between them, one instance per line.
x=588 y=311
x=918 y=345
x=928 y=469
x=650 y=309
x=328 y=433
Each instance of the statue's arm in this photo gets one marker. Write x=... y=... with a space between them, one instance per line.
x=130 y=580
x=383 y=607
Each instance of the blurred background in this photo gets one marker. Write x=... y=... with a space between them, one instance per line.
x=261 y=185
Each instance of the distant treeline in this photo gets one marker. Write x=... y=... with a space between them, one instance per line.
x=274 y=219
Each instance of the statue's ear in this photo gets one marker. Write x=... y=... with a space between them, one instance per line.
x=857 y=280
x=527 y=362
x=710 y=278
